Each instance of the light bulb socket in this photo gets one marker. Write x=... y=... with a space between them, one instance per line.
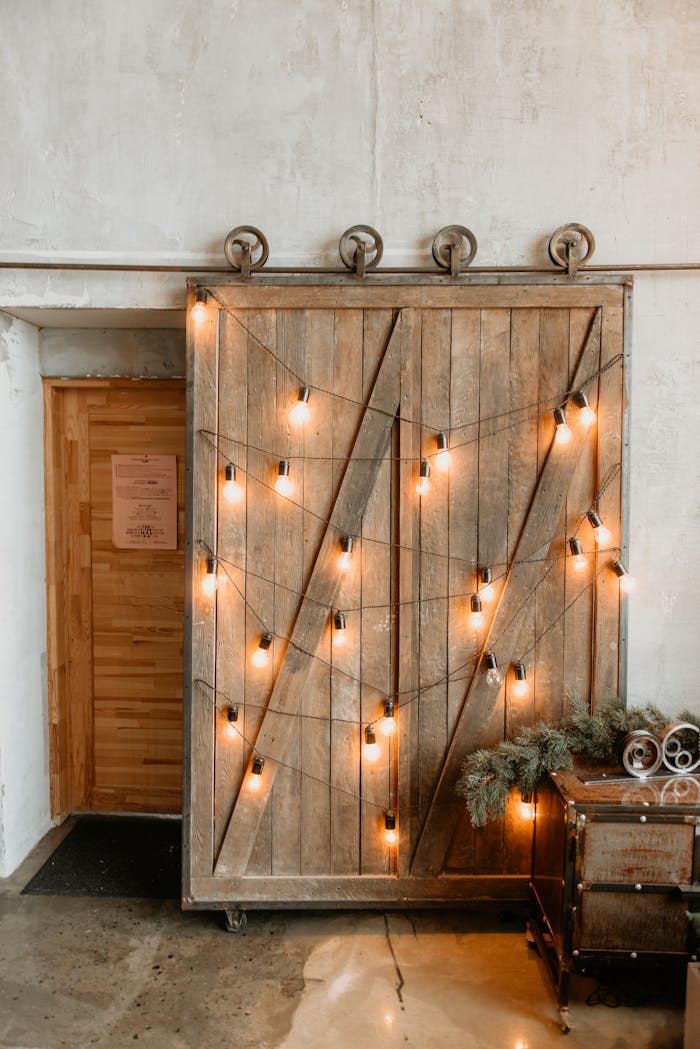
x=476 y=603
x=491 y=661
x=389 y=708
x=519 y=671
x=283 y=468
x=559 y=417
x=594 y=519
x=370 y=735
x=575 y=546
x=389 y=820
x=619 y=569
x=265 y=642
x=258 y=765
x=526 y=797
x=304 y=394
x=339 y=620
x=232 y=713
x=230 y=473
x=424 y=468
x=201 y=296
x=580 y=399
x=211 y=566
x=442 y=441
x=486 y=576
x=346 y=544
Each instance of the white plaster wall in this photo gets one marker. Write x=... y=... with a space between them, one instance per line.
x=24 y=790
x=142 y=131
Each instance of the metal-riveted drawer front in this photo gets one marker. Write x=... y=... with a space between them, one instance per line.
x=650 y=852
x=623 y=921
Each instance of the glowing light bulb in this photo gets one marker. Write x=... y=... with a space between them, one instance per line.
x=579 y=558
x=627 y=581
x=476 y=616
x=493 y=674
x=486 y=590
x=527 y=809
x=390 y=835
x=210 y=581
x=387 y=725
x=299 y=414
x=562 y=433
x=442 y=459
x=231 y=717
x=371 y=748
x=345 y=558
x=423 y=486
x=283 y=485
x=339 y=634
x=255 y=777
x=199 y=309
x=233 y=491
x=586 y=414
x=261 y=655
x=520 y=687
x=601 y=534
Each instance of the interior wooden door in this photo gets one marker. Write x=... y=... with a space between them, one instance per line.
x=283 y=804
x=115 y=615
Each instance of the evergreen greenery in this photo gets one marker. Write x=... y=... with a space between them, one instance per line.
x=523 y=762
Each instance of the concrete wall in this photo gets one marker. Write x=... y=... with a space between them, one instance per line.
x=129 y=353
x=143 y=131
x=24 y=793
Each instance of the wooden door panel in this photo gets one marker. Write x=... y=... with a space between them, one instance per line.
x=488 y=366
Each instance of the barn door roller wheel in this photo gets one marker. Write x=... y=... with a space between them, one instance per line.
x=235 y=920
x=241 y=247
x=361 y=249
x=454 y=247
x=571 y=246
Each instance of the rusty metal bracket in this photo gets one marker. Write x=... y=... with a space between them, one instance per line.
x=454 y=248
x=571 y=246
x=241 y=246
x=361 y=249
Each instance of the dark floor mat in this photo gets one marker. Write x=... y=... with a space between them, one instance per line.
x=114 y=856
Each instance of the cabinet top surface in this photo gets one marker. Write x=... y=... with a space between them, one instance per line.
x=580 y=785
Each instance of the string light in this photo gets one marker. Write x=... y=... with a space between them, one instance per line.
x=283 y=486
x=442 y=459
x=601 y=534
x=562 y=433
x=339 y=634
x=520 y=686
x=527 y=809
x=345 y=557
x=387 y=725
x=627 y=581
x=586 y=414
x=299 y=414
x=209 y=582
x=255 y=778
x=579 y=558
x=390 y=835
x=261 y=655
x=231 y=717
x=199 y=308
x=233 y=491
x=493 y=674
x=423 y=486
x=486 y=590
x=476 y=616
x=371 y=747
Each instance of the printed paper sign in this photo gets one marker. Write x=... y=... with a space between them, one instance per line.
x=144 y=502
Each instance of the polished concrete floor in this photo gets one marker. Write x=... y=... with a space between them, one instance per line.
x=84 y=972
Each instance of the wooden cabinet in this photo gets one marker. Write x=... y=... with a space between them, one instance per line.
x=615 y=864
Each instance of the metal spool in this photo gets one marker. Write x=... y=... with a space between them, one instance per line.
x=680 y=747
x=361 y=248
x=571 y=246
x=241 y=247
x=454 y=247
x=641 y=753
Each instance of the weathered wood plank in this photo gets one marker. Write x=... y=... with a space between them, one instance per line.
x=355 y=489
x=523 y=575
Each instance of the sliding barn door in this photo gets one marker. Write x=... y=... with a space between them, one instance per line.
x=292 y=658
